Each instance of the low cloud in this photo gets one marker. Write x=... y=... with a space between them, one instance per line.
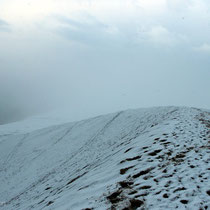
x=103 y=57
x=88 y=31
x=4 y=26
x=203 y=48
x=2 y=22
x=159 y=35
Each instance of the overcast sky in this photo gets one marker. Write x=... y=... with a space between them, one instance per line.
x=93 y=57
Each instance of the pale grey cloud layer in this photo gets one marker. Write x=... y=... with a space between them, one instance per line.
x=4 y=26
x=2 y=22
x=94 y=57
x=91 y=32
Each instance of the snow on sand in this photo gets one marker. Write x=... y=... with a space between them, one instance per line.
x=156 y=158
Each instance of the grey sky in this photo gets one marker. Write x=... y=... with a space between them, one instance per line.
x=4 y=26
x=93 y=57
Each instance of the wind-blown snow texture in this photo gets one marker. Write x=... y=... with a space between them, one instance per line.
x=155 y=158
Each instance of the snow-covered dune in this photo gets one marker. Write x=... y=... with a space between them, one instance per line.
x=155 y=158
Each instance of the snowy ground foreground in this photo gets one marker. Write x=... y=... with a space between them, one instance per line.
x=155 y=158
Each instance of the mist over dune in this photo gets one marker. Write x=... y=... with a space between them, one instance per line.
x=95 y=57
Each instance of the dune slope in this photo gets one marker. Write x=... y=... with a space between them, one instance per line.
x=155 y=158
